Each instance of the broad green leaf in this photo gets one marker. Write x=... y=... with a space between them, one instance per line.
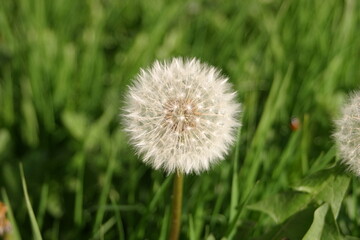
x=331 y=230
x=334 y=192
x=293 y=228
x=324 y=226
x=315 y=183
x=283 y=205
x=317 y=226
x=328 y=185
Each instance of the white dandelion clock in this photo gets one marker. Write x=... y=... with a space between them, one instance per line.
x=181 y=115
x=347 y=134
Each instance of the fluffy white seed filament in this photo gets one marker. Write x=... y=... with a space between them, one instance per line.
x=181 y=115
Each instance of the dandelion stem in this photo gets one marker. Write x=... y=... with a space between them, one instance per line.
x=176 y=207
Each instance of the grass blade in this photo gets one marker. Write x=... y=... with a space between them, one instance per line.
x=104 y=193
x=119 y=223
x=78 y=212
x=43 y=204
x=34 y=224
x=235 y=181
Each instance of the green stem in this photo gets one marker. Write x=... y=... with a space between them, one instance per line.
x=176 y=207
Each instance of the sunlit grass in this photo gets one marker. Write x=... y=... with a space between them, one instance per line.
x=64 y=66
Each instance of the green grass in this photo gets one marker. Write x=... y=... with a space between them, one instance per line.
x=64 y=67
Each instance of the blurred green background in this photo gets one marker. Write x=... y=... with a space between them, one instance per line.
x=64 y=67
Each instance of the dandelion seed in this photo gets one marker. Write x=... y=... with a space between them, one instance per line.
x=186 y=118
x=347 y=134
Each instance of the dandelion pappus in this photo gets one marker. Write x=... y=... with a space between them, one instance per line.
x=5 y=226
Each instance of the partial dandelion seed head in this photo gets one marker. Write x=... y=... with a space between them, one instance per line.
x=181 y=115
x=347 y=134
x=5 y=226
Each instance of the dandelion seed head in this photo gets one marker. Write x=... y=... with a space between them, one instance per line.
x=186 y=115
x=347 y=134
x=5 y=226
